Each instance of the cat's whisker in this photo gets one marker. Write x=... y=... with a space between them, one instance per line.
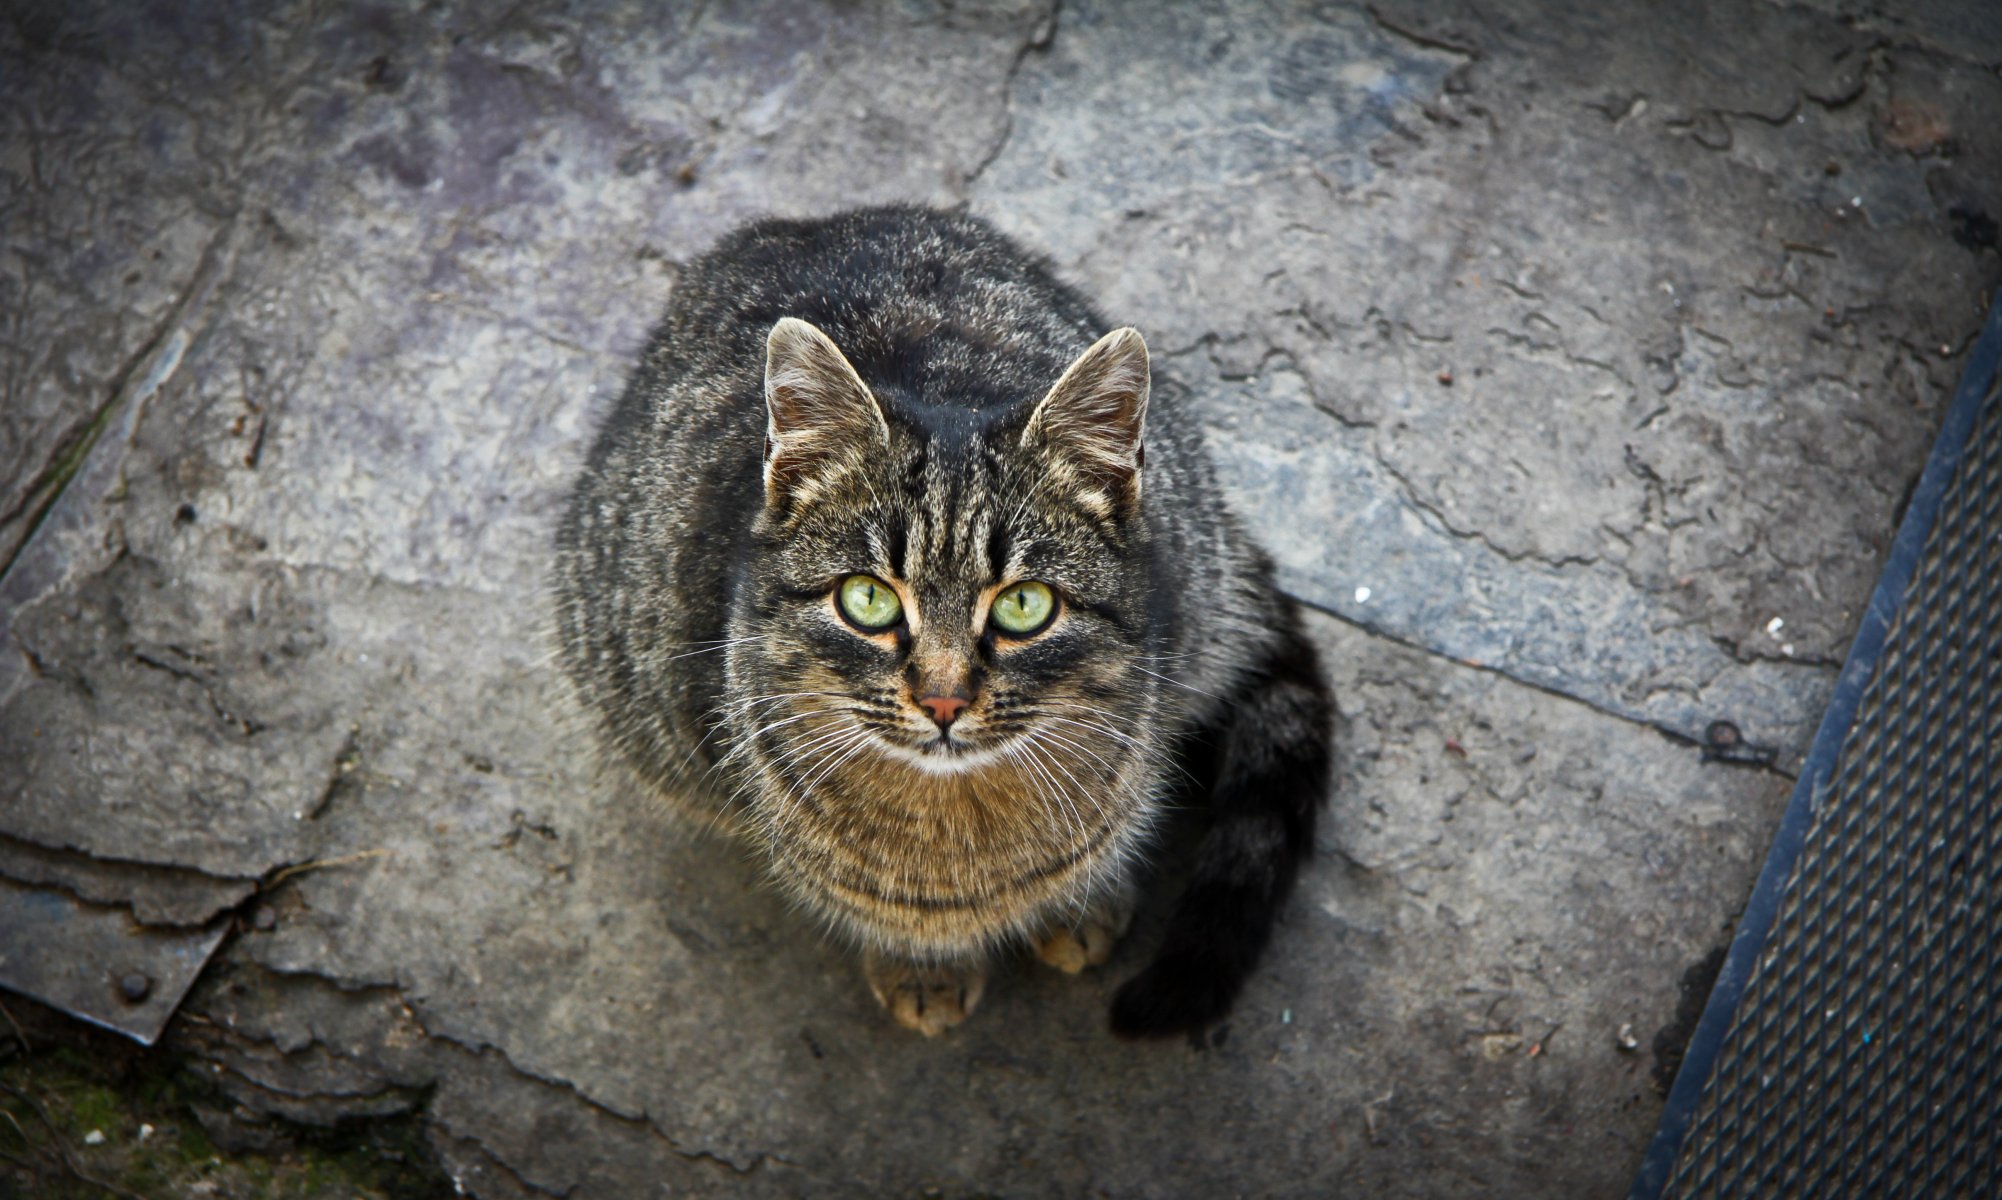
x=1050 y=720
x=723 y=645
x=851 y=749
x=859 y=737
x=1177 y=683
x=742 y=747
x=1082 y=751
x=798 y=753
x=1095 y=726
x=815 y=756
x=734 y=705
x=1051 y=742
x=775 y=726
x=718 y=720
x=723 y=715
x=1107 y=731
x=1027 y=748
x=1079 y=830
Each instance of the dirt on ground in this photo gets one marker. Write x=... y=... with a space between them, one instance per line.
x=86 y=1114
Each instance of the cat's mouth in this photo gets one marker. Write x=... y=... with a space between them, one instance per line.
x=944 y=753
x=944 y=745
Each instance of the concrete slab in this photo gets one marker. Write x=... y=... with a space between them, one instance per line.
x=1572 y=361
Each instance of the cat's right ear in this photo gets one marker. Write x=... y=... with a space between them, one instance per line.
x=820 y=417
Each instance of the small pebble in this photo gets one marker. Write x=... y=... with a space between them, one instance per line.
x=94 y=1138
x=1362 y=595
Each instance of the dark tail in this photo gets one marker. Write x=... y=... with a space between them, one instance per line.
x=1273 y=771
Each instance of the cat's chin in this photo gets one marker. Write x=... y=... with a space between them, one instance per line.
x=940 y=757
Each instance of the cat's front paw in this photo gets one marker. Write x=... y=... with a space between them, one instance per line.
x=1089 y=942
x=930 y=999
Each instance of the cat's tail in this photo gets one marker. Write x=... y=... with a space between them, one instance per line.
x=1272 y=774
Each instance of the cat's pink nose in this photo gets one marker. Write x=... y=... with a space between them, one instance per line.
x=943 y=708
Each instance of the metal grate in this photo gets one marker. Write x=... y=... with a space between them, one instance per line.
x=1864 y=1055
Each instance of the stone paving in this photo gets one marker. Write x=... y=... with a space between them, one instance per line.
x=1572 y=359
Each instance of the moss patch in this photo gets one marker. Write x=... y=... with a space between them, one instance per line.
x=88 y=1114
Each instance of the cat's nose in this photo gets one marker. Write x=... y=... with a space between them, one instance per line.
x=943 y=708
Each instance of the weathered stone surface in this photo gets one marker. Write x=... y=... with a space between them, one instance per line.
x=155 y=895
x=95 y=261
x=1650 y=404
x=1564 y=333
x=1455 y=973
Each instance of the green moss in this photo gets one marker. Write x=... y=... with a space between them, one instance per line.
x=84 y=1081
x=193 y=1144
x=323 y=1172
x=258 y=1169
x=91 y=1108
x=147 y=1175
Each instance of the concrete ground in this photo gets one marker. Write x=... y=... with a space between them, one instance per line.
x=1572 y=359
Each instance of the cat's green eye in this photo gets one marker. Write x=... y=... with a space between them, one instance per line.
x=869 y=602
x=1024 y=608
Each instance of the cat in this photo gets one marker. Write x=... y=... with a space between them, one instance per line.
x=891 y=560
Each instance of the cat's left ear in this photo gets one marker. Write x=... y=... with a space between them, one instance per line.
x=1090 y=425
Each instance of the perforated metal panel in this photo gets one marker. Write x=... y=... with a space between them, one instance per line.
x=1864 y=1054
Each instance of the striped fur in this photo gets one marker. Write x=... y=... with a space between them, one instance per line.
x=742 y=477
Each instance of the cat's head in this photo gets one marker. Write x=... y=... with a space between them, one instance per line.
x=943 y=585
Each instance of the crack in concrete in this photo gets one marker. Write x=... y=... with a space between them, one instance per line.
x=164 y=348
x=347 y=985
x=100 y=901
x=249 y=727
x=486 y=1152
x=1654 y=503
x=346 y=759
x=638 y=1120
x=1425 y=508
x=440 y=1073
x=335 y=1096
x=1428 y=41
x=1041 y=38
x=61 y=848
x=1540 y=350
x=1040 y=41
x=1672 y=734
x=139 y=381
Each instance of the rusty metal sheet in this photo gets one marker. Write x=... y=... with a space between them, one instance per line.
x=97 y=962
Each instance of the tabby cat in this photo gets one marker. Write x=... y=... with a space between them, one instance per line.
x=886 y=561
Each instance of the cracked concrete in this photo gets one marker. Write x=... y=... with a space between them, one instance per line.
x=1573 y=362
